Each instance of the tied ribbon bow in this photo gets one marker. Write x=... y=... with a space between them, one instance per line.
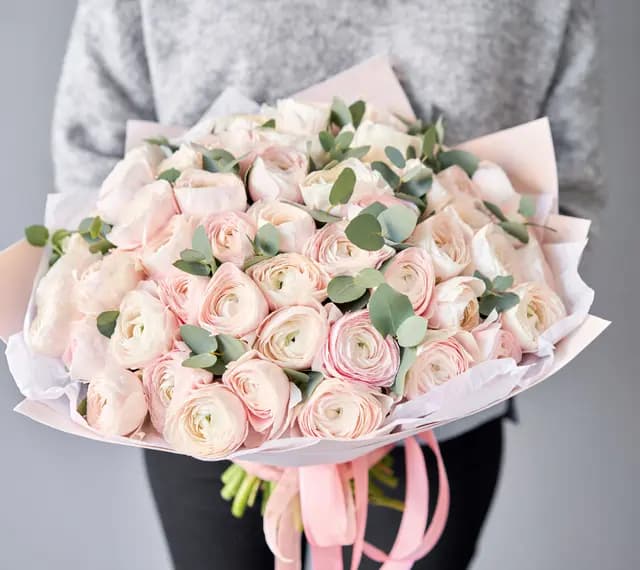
x=333 y=516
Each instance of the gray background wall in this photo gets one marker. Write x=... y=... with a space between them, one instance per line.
x=567 y=498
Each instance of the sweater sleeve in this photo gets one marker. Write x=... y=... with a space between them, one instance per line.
x=105 y=81
x=573 y=107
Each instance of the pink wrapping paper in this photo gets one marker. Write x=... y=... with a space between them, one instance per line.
x=525 y=152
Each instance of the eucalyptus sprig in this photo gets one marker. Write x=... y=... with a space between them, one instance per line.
x=496 y=296
x=343 y=115
x=106 y=322
x=377 y=225
x=218 y=159
x=210 y=352
x=94 y=231
x=265 y=245
x=515 y=228
x=163 y=142
x=339 y=147
x=199 y=259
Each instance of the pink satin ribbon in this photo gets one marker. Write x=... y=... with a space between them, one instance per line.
x=333 y=516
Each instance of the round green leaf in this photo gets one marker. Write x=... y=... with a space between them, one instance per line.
x=343 y=289
x=389 y=175
x=465 y=160
x=369 y=278
x=342 y=188
x=106 y=322
x=412 y=331
x=201 y=242
x=357 y=110
x=268 y=240
x=343 y=140
x=198 y=339
x=205 y=360
x=375 y=209
x=170 y=175
x=398 y=223
x=327 y=140
x=527 y=206
x=395 y=156
x=37 y=235
x=388 y=309
x=502 y=282
x=323 y=217
x=191 y=255
x=230 y=347
x=340 y=113
x=407 y=358
x=366 y=232
x=192 y=267
x=429 y=141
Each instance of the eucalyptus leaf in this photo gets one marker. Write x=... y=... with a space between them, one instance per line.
x=95 y=228
x=192 y=255
x=314 y=381
x=340 y=113
x=527 y=206
x=82 y=407
x=495 y=210
x=37 y=235
x=58 y=237
x=369 y=278
x=327 y=141
x=439 y=126
x=193 y=268
x=230 y=347
x=487 y=282
x=323 y=217
x=395 y=156
x=201 y=242
x=343 y=140
x=418 y=185
x=343 y=289
x=296 y=376
x=101 y=246
x=366 y=232
x=269 y=124
x=357 y=110
x=106 y=322
x=465 y=160
x=419 y=202
x=388 y=309
x=516 y=229
x=391 y=178
x=502 y=283
x=375 y=209
x=398 y=222
x=253 y=260
x=342 y=188
x=411 y=152
x=204 y=360
x=170 y=175
x=412 y=331
x=357 y=152
x=498 y=302
x=407 y=358
x=199 y=340
x=357 y=304
x=267 y=240
x=162 y=141
x=429 y=141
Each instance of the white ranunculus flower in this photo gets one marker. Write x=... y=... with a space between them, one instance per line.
x=55 y=299
x=447 y=239
x=185 y=157
x=494 y=185
x=137 y=169
x=208 y=422
x=316 y=187
x=539 y=308
x=145 y=328
x=494 y=253
x=276 y=174
x=297 y=118
x=455 y=303
x=87 y=351
x=295 y=226
x=293 y=336
x=200 y=193
x=102 y=285
x=116 y=404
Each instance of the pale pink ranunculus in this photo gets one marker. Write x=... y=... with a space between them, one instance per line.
x=411 y=273
x=118 y=191
x=182 y=159
x=86 y=354
x=295 y=226
x=159 y=253
x=265 y=391
x=316 y=187
x=146 y=214
x=231 y=235
x=338 y=409
x=354 y=207
x=447 y=239
x=102 y=285
x=539 y=308
x=232 y=303
x=450 y=184
x=440 y=358
x=337 y=255
x=471 y=211
x=494 y=253
x=455 y=303
x=145 y=328
x=56 y=301
x=116 y=404
x=493 y=184
x=298 y=118
x=183 y=295
x=242 y=143
x=378 y=136
x=200 y=193
x=208 y=422
x=165 y=376
x=290 y=279
x=276 y=174
x=496 y=342
x=356 y=351
x=293 y=336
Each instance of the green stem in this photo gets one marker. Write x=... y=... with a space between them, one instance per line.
x=231 y=488
x=230 y=472
x=241 y=498
x=254 y=492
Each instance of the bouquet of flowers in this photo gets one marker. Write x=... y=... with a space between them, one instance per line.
x=296 y=288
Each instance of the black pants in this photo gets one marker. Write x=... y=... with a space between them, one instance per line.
x=203 y=535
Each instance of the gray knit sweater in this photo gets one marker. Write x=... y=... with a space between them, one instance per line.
x=487 y=64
